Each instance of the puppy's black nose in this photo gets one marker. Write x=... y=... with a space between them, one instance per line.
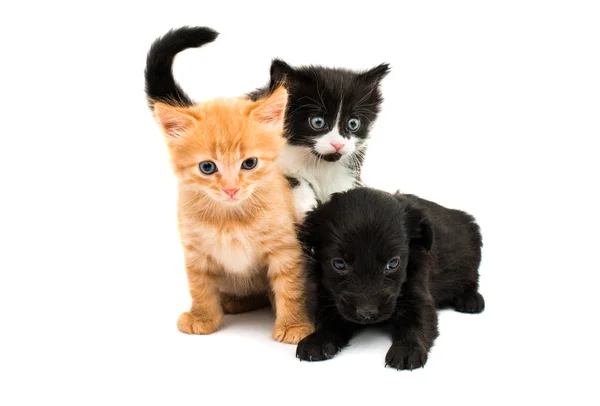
x=367 y=312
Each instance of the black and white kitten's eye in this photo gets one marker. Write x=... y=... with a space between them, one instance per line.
x=249 y=163
x=207 y=167
x=338 y=264
x=392 y=265
x=317 y=123
x=353 y=124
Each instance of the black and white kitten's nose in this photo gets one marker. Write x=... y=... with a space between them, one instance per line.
x=337 y=147
x=367 y=312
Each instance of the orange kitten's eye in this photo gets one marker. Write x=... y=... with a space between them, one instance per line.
x=249 y=163
x=207 y=167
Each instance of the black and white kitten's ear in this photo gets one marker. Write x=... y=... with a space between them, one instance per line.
x=174 y=121
x=374 y=75
x=280 y=71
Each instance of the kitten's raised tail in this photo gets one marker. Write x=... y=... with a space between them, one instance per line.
x=160 y=83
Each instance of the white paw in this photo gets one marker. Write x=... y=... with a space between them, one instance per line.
x=304 y=198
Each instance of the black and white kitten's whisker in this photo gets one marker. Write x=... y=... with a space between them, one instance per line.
x=362 y=116
x=312 y=159
x=356 y=162
x=362 y=109
x=365 y=97
x=320 y=93
x=366 y=105
x=314 y=107
x=319 y=105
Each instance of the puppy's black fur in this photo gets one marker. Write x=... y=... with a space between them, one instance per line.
x=390 y=259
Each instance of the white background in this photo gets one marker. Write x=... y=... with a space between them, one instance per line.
x=491 y=107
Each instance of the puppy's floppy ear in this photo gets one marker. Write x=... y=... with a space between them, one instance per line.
x=418 y=225
x=281 y=72
x=420 y=229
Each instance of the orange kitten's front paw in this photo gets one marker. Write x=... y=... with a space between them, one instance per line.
x=190 y=324
x=292 y=334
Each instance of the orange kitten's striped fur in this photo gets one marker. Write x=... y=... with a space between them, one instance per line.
x=243 y=249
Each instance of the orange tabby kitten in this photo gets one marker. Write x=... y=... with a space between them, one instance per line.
x=236 y=213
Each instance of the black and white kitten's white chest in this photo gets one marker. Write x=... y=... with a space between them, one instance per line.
x=315 y=179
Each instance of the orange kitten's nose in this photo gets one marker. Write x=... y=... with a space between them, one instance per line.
x=231 y=192
x=337 y=147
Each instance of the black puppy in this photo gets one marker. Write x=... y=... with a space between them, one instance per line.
x=382 y=258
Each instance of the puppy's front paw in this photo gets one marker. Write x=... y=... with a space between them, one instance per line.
x=190 y=324
x=316 y=348
x=291 y=334
x=470 y=302
x=406 y=356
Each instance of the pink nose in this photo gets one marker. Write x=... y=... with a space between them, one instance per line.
x=231 y=192
x=337 y=147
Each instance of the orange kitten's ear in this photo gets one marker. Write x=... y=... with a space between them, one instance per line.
x=173 y=120
x=271 y=110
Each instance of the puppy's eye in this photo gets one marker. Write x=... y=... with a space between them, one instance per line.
x=317 y=123
x=338 y=264
x=353 y=124
x=207 y=167
x=393 y=264
x=249 y=163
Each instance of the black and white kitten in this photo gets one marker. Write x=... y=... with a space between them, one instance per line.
x=330 y=113
x=329 y=116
